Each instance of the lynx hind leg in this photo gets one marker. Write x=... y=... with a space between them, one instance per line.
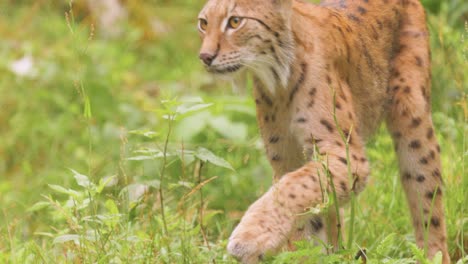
x=411 y=126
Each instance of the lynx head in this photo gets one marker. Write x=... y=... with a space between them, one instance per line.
x=247 y=34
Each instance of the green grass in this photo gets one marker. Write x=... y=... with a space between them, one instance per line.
x=88 y=155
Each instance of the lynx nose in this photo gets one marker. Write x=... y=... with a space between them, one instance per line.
x=207 y=58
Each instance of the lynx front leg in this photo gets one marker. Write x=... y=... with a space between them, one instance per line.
x=270 y=221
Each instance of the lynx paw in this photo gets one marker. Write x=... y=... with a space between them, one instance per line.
x=251 y=247
x=255 y=237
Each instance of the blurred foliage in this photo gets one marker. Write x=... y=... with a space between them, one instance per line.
x=99 y=105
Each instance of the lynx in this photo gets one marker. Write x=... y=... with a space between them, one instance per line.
x=324 y=77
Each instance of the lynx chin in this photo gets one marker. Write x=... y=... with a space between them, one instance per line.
x=323 y=73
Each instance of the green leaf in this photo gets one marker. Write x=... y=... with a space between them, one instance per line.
x=229 y=129
x=462 y=261
x=150 y=154
x=208 y=156
x=111 y=207
x=184 y=109
x=418 y=253
x=65 y=238
x=82 y=180
x=146 y=133
x=437 y=258
x=385 y=245
x=61 y=189
x=38 y=206
x=192 y=125
x=106 y=182
x=87 y=108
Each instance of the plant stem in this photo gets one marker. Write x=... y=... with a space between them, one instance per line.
x=161 y=175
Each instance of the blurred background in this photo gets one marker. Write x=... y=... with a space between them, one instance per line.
x=88 y=156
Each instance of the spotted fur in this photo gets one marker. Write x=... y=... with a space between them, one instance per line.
x=323 y=73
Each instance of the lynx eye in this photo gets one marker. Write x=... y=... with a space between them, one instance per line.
x=234 y=22
x=202 y=24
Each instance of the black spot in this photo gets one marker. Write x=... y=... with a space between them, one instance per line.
x=339 y=144
x=431 y=194
x=316 y=224
x=435 y=221
x=423 y=161
x=313 y=91
x=338 y=105
x=438 y=148
x=266 y=118
x=407 y=89
x=298 y=83
x=343 y=186
x=436 y=173
x=420 y=178
x=363 y=160
x=397 y=135
x=312 y=177
x=354 y=18
x=343 y=160
x=301 y=120
x=292 y=196
x=419 y=61
x=329 y=80
x=305 y=186
x=415 y=144
x=311 y=103
x=347 y=136
x=407 y=176
x=416 y=122
x=430 y=133
x=432 y=154
x=274 y=139
x=361 y=10
x=266 y=99
x=275 y=158
x=327 y=125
